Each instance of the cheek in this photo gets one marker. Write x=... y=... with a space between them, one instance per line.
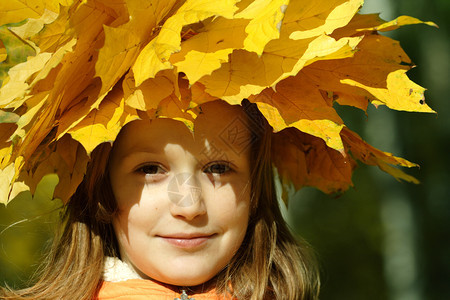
x=133 y=190
x=127 y=192
x=138 y=212
x=229 y=206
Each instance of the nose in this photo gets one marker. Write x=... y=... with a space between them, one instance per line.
x=185 y=194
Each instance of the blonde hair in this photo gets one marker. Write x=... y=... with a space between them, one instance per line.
x=270 y=264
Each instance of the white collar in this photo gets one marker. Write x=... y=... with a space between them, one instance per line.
x=116 y=270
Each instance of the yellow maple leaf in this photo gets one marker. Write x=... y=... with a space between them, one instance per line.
x=123 y=43
x=3 y=53
x=208 y=49
x=34 y=104
x=272 y=115
x=13 y=92
x=396 y=23
x=338 y=16
x=155 y=55
x=104 y=124
x=14 y=50
x=13 y=11
x=5 y=153
x=367 y=66
x=325 y=129
x=150 y=93
x=400 y=93
x=9 y=188
x=53 y=62
x=34 y=26
x=6 y=147
x=265 y=25
x=36 y=131
x=120 y=50
x=246 y=73
x=79 y=109
x=55 y=33
x=323 y=48
x=197 y=64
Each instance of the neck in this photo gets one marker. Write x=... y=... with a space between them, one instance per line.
x=116 y=270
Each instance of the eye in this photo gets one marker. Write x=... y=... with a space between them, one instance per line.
x=151 y=169
x=217 y=168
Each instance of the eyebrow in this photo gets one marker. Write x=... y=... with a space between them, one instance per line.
x=133 y=151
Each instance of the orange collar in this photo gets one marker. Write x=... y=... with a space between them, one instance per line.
x=137 y=289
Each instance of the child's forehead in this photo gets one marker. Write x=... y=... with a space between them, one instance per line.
x=219 y=127
x=218 y=118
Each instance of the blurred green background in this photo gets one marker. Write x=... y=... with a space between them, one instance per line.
x=382 y=239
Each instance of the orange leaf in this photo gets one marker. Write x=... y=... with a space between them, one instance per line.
x=6 y=130
x=307 y=161
x=396 y=23
x=68 y=160
x=149 y=94
x=173 y=107
x=365 y=24
x=372 y=156
x=303 y=106
x=199 y=95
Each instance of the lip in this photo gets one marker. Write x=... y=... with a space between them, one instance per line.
x=187 y=240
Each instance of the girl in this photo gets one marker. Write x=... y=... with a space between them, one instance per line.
x=173 y=215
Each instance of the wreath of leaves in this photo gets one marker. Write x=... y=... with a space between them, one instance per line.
x=75 y=72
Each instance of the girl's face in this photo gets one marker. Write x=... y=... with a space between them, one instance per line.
x=183 y=198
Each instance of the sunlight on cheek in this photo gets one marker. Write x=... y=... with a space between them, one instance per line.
x=232 y=201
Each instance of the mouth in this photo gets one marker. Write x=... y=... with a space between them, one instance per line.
x=187 y=241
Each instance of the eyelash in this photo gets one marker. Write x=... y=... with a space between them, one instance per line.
x=142 y=169
x=221 y=164
x=211 y=168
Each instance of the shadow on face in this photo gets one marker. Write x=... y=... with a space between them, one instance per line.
x=183 y=197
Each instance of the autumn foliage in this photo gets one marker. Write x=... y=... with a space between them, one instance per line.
x=75 y=72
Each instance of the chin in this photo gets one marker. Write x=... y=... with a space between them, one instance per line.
x=183 y=280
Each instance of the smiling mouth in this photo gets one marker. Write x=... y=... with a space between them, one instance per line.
x=187 y=241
